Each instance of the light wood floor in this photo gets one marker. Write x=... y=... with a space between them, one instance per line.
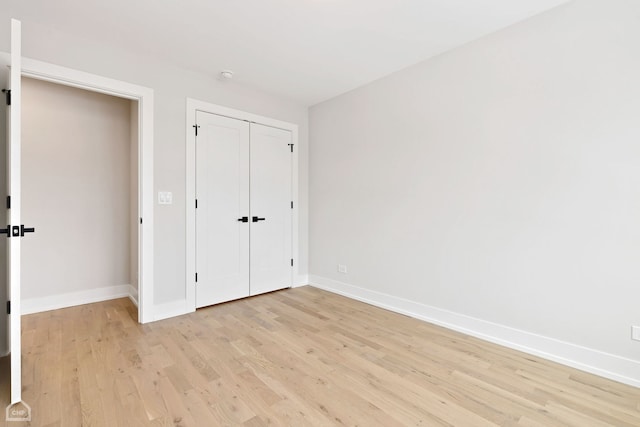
x=295 y=358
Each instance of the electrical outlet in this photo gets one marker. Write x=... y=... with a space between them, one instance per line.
x=342 y=268
x=635 y=333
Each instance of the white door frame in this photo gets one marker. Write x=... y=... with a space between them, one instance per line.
x=193 y=106
x=79 y=79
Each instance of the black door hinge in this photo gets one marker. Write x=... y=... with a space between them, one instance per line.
x=7 y=93
x=8 y=307
x=196 y=203
x=196 y=127
x=8 y=202
x=291 y=145
x=196 y=277
x=291 y=262
x=140 y=220
x=292 y=204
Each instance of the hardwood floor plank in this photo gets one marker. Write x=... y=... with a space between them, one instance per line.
x=177 y=412
x=298 y=357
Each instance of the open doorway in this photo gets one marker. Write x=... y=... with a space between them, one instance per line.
x=141 y=99
x=80 y=191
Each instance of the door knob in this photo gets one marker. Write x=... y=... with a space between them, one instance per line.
x=243 y=219
x=256 y=219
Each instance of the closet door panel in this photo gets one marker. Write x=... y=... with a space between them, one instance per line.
x=222 y=192
x=271 y=184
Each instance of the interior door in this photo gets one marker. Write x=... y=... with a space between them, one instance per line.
x=14 y=231
x=222 y=209
x=271 y=209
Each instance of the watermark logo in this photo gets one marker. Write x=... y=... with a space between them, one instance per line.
x=18 y=411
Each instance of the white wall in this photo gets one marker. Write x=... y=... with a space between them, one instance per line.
x=501 y=182
x=75 y=190
x=172 y=85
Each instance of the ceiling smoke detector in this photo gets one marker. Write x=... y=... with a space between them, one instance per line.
x=226 y=74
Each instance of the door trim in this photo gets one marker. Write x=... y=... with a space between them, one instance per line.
x=193 y=106
x=92 y=82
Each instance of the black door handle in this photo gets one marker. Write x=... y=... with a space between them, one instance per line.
x=243 y=219
x=16 y=231
x=24 y=229
x=256 y=219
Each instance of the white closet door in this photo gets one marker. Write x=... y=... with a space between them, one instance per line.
x=222 y=192
x=271 y=184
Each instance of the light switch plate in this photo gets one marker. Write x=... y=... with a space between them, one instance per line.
x=165 y=197
x=635 y=333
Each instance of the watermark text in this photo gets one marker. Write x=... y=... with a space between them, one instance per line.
x=18 y=411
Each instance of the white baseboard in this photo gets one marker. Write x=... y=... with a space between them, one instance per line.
x=586 y=359
x=301 y=280
x=133 y=295
x=181 y=307
x=55 y=302
x=170 y=309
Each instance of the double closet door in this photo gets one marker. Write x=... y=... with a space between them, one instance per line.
x=243 y=209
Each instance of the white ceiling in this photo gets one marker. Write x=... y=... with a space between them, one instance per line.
x=305 y=50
